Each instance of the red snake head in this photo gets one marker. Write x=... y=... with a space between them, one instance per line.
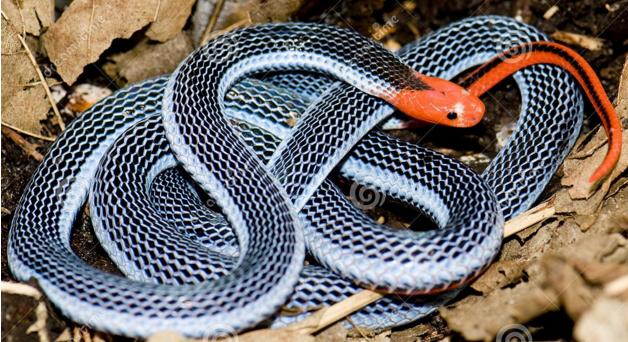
x=446 y=103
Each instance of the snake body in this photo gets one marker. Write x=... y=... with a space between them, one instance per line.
x=206 y=273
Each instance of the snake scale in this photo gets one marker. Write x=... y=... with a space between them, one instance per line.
x=220 y=129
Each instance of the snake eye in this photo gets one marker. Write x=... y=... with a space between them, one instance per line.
x=452 y=115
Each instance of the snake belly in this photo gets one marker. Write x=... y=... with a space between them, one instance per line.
x=258 y=275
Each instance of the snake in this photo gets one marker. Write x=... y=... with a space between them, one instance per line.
x=220 y=127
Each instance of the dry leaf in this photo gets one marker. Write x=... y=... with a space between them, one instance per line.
x=172 y=16
x=585 y=159
x=480 y=318
x=148 y=59
x=334 y=333
x=566 y=282
x=499 y=274
x=24 y=102
x=599 y=273
x=234 y=11
x=30 y=16
x=230 y=14
x=166 y=336
x=613 y=218
x=381 y=337
x=271 y=335
x=268 y=11
x=606 y=321
x=87 y=28
x=552 y=282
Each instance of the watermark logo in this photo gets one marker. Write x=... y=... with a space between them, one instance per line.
x=511 y=50
x=378 y=31
x=222 y=333
x=365 y=198
x=513 y=333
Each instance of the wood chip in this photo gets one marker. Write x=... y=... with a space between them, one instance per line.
x=587 y=42
x=27 y=147
x=550 y=12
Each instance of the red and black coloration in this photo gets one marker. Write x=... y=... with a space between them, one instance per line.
x=519 y=57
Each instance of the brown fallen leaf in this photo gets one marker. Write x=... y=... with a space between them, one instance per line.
x=499 y=274
x=480 y=318
x=235 y=11
x=270 y=11
x=170 y=19
x=30 y=16
x=148 y=59
x=613 y=218
x=24 y=101
x=336 y=332
x=585 y=159
x=86 y=28
x=599 y=273
x=606 y=321
x=555 y=281
x=568 y=285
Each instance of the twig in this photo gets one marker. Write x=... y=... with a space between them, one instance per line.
x=42 y=79
x=211 y=23
x=326 y=316
x=41 y=317
x=157 y=10
x=41 y=312
x=231 y=27
x=89 y=31
x=44 y=84
x=550 y=12
x=20 y=289
x=37 y=136
x=331 y=314
x=36 y=83
x=527 y=219
x=589 y=43
x=29 y=148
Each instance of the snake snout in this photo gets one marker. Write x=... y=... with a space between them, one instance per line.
x=443 y=103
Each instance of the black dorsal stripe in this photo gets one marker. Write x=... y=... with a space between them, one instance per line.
x=547 y=48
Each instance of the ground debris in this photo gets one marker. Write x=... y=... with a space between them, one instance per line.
x=170 y=18
x=24 y=102
x=86 y=29
x=148 y=59
x=607 y=320
x=29 y=16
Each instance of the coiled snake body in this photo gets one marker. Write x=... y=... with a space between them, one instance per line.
x=201 y=272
